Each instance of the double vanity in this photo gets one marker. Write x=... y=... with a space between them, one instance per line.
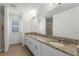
x=45 y=46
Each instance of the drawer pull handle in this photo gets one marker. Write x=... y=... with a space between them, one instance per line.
x=36 y=47
x=30 y=42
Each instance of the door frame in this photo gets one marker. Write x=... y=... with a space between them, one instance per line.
x=7 y=12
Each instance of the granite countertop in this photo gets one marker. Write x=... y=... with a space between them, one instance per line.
x=69 y=48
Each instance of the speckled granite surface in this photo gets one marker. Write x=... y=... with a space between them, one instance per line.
x=70 y=48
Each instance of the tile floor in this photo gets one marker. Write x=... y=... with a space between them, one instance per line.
x=17 y=50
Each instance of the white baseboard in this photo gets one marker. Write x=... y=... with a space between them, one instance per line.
x=1 y=49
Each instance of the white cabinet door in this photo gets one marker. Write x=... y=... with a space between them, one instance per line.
x=25 y=41
x=28 y=42
x=47 y=50
x=32 y=45
x=36 y=47
x=43 y=50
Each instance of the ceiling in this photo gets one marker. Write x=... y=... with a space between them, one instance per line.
x=42 y=8
x=62 y=8
x=23 y=6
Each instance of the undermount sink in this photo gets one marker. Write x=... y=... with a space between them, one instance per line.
x=57 y=44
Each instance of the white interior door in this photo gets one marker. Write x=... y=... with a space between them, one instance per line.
x=15 y=29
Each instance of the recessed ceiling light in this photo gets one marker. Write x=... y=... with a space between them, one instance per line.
x=59 y=3
x=53 y=3
x=12 y=5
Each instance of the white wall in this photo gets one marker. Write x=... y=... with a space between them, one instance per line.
x=66 y=24
x=26 y=23
x=29 y=24
x=33 y=25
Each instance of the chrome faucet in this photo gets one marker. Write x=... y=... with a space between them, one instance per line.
x=60 y=40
